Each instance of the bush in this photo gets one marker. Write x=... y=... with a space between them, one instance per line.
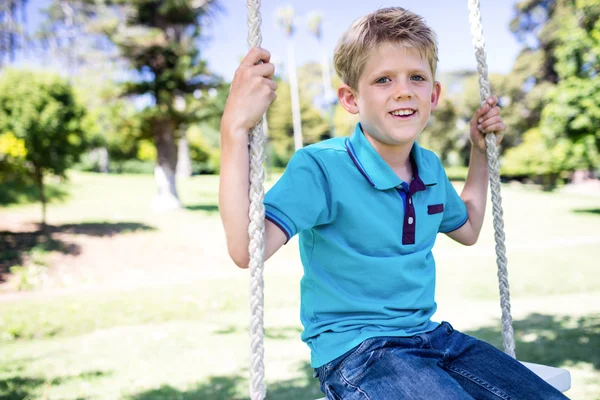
x=538 y=160
x=133 y=167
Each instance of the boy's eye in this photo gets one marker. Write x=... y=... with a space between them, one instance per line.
x=383 y=79
x=418 y=78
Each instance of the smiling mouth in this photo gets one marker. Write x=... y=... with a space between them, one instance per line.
x=403 y=114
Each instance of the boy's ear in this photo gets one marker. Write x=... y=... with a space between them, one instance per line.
x=435 y=95
x=347 y=98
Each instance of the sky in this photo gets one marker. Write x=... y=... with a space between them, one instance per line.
x=226 y=41
x=449 y=19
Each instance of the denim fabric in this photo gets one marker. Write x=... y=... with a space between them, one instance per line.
x=441 y=364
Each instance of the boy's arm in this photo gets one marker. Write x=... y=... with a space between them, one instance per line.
x=474 y=194
x=252 y=91
x=234 y=202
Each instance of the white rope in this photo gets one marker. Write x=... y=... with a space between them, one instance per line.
x=492 y=153
x=256 y=247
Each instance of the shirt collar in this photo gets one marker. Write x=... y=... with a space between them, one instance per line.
x=379 y=173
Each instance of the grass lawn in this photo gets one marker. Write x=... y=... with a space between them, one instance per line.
x=140 y=305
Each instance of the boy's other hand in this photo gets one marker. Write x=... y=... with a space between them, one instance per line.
x=487 y=119
x=252 y=92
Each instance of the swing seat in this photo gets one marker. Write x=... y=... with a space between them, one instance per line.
x=558 y=378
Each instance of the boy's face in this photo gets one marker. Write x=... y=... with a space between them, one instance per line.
x=396 y=94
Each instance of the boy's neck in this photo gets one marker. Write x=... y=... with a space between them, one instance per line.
x=397 y=157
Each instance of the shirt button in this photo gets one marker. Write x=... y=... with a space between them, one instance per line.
x=410 y=220
x=409 y=201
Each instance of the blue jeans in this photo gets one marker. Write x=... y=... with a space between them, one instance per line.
x=441 y=364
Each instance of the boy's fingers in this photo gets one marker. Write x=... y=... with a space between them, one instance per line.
x=490 y=121
x=480 y=112
x=271 y=83
x=491 y=113
x=254 y=56
x=266 y=70
x=492 y=100
x=493 y=125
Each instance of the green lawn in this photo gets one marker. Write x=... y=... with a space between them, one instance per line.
x=140 y=305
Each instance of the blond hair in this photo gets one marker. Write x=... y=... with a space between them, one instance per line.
x=387 y=25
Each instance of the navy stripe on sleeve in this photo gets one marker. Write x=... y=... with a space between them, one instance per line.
x=282 y=225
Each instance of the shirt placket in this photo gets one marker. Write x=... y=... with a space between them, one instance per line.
x=410 y=218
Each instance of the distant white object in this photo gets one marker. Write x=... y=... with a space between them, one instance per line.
x=557 y=377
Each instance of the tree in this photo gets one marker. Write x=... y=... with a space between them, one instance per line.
x=160 y=39
x=39 y=112
x=573 y=113
x=555 y=82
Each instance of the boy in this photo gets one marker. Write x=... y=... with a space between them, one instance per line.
x=367 y=210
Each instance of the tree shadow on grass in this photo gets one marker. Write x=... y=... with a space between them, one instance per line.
x=100 y=229
x=276 y=333
x=21 y=388
x=304 y=387
x=15 y=246
x=551 y=340
x=18 y=193
x=210 y=208
x=595 y=211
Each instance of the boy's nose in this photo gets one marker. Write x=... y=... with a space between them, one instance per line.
x=403 y=91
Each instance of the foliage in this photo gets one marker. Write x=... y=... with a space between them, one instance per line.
x=39 y=110
x=159 y=39
x=12 y=156
x=205 y=158
x=556 y=84
x=445 y=132
x=111 y=122
x=535 y=157
x=573 y=114
x=281 y=129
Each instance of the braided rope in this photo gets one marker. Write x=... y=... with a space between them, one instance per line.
x=256 y=231
x=492 y=153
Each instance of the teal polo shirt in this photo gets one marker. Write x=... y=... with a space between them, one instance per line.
x=365 y=240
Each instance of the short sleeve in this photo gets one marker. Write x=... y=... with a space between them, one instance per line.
x=301 y=198
x=455 y=210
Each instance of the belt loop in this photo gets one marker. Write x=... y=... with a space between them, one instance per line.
x=449 y=327
x=422 y=340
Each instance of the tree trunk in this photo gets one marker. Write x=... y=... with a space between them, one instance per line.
x=103 y=160
x=39 y=180
x=184 y=163
x=164 y=173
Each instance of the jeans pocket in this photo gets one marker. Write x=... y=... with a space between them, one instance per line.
x=340 y=362
x=354 y=369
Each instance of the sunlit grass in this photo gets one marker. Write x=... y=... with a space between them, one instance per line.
x=189 y=340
